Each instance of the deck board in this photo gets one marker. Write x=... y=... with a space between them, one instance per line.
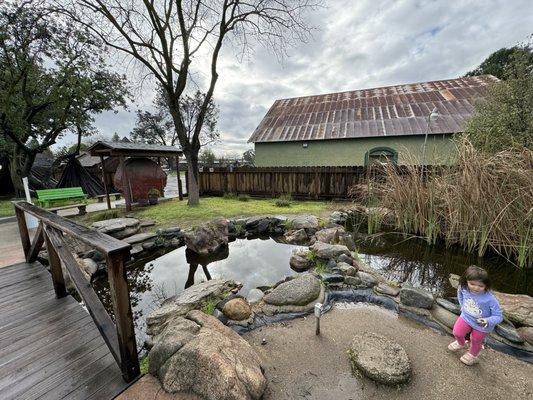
x=50 y=348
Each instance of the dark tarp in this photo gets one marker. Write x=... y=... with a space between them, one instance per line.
x=41 y=174
x=75 y=175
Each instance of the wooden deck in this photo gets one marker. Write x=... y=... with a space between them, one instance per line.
x=50 y=348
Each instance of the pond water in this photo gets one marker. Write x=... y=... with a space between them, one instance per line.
x=263 y=262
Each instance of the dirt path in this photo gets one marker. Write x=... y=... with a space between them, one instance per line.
x=300 y=365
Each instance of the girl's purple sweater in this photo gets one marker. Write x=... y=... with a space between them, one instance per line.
x=479 y=305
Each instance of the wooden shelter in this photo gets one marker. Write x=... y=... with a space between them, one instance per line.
x=124 y=149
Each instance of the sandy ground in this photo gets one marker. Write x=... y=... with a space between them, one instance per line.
x=300 y=365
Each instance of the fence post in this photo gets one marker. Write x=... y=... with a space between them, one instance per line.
x=23 y=230
x=55 y=267
x=120 y=296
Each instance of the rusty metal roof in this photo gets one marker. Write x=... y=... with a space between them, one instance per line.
x=386 y=111
x=132 y=149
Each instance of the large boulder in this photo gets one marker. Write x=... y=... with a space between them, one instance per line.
x=327 y=251
x=305 y=222
x=208 y=238
x=509 y=332
x=255 y=296
x=198 y=354
x=415 y=297
x=383 y=288
x=380 y=359
x=518 y=308
x=190 y=299
x=119 y=228
x=298 y=291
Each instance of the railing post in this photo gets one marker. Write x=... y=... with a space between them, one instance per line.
x=120 y=296
x=23 y=230
x=55 y=267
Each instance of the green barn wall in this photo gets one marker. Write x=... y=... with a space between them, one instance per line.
x=347 y=152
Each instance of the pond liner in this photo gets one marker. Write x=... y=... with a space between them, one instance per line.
x=367 y=296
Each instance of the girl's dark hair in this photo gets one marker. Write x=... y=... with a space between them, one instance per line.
x=475 y=273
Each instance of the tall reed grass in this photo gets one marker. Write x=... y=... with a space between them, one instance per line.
x=482 y=202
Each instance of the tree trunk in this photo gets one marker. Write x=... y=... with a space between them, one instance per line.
x=193 y=194
x=19 y=167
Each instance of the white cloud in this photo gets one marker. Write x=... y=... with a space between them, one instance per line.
x=360 y=44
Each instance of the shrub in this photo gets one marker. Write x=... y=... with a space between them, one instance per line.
x=283 y=201
x=230 y=196
x=243 y=197
x=209 y=307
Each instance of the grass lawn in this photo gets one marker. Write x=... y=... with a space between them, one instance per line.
x=175 y=212
x=6 y=208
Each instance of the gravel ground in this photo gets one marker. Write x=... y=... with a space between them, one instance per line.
x=300 y=365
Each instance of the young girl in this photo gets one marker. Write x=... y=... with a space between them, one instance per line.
x=480 y=312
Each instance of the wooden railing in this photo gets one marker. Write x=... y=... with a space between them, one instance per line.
x=52 y=230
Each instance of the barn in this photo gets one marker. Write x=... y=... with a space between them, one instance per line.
x=405 y=124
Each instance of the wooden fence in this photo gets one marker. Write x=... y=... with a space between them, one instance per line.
x=299 y=182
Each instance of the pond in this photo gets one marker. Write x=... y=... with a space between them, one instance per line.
x=263 y=262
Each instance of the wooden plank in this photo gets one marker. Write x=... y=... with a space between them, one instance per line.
x=58 y=280
x=19 y=267
x=120 y=296
x=98 y=240
x=23 y=229
x=101 y=318
x=107 y=383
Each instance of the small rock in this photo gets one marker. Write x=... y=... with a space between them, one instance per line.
x=526 y=333
x=327 y=251
x=263 y=342
x=237 y=309
x=149 y=245
x=367 y=279
x=89 y=266
x=118 y=227
x=296 y=237
x=299 y=261
x=145 y=223
x=414 y=297
x=299 y=291
x=305 y=222
x=509 y=332
x=345 y=259
x=139 y=237
x=454 y=280
x=352 y=280
x=444 y=316
x=448 y=305
x=331 y=278
x=346 y=269
x=380 y=359
x=329 y=235
x=386 y=289
x=254 y=296
x=331 y=264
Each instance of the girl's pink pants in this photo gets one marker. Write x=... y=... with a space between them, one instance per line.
x=461 y=329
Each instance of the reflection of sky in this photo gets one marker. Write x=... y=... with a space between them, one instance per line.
x=252 y=262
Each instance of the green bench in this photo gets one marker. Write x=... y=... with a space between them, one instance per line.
x=47 y=196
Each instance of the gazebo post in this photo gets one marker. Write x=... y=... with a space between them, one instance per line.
x=180 y=188
x=125 y=183
x=104 y=178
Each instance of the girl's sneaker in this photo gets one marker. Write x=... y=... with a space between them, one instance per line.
x=455 y=346
x=468 y=359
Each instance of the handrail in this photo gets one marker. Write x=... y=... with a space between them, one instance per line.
x=101 y=241
x=118 y=336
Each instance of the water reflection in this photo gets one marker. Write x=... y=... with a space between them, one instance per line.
x=415 y=262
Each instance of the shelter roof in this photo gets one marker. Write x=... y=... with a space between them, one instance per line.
x=126 y=149
x=386 y=111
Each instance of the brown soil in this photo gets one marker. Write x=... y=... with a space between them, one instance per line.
x=300 y=365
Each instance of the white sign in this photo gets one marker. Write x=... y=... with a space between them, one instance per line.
x=31 y=221
x=318 y=309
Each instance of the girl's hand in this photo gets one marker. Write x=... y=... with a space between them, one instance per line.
x=482 y=321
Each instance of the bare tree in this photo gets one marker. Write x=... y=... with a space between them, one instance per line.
x=166 y=37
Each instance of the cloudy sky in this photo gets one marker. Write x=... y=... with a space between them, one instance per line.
x=358 y=44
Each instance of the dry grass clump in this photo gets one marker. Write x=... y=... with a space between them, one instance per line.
x=484 y=201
